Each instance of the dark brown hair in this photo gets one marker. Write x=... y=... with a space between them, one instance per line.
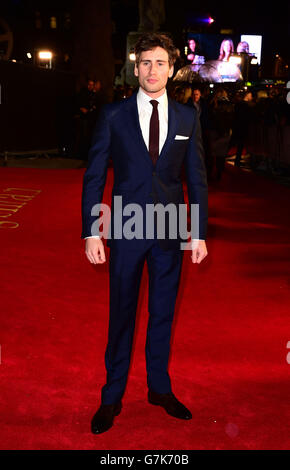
x=149 y=41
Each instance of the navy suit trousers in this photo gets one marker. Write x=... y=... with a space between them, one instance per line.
x=164 y=268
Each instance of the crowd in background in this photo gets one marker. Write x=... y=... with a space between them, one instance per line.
x=226 y=116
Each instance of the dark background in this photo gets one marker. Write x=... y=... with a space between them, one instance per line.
x=118 y=17
x=90 y=41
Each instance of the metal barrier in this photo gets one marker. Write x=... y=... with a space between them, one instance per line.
x=271 y=142
x=31 y=153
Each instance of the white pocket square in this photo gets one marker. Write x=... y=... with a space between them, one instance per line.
x=181 y=137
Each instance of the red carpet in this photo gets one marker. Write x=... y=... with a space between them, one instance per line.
x=229 y=348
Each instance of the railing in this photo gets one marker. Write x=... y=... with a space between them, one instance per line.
x=271 y=142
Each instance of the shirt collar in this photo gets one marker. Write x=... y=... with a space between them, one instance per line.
x=144 y=99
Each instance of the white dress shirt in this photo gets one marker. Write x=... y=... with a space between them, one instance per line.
x=145 y=109
x=144 y=112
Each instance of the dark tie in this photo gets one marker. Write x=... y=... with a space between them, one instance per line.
x=154 y=133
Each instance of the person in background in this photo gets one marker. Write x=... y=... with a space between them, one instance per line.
x=192 y=56
x=183 y=94
x=198 y=102
x=241 y=123
x=98 y=101
x=220 y=129
x=243 y=46
x=226 y=49
x=86 y=97
x=87 y=111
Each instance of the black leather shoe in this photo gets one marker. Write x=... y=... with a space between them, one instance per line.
x=104 y=417
x=170 y=403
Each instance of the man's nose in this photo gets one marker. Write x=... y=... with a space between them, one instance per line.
x=153 y=68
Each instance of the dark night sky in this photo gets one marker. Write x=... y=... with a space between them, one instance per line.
x=253 y=18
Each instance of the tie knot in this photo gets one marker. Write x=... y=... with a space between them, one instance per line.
x=154 y=103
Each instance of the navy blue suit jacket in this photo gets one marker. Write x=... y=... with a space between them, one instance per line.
x=118 y=135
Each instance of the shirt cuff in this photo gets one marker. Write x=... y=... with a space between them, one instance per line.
x=194 y=242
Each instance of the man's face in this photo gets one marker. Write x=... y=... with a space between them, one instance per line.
x=91 y=85
x=153 y=71
x=97 y=85
x=248 y=97
x=196 y=95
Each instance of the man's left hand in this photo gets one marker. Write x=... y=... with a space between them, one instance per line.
x=199 y=251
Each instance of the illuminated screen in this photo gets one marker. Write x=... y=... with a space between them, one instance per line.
x=211 y=58
x=255 y=44
x=217 y=58
x=208 y=45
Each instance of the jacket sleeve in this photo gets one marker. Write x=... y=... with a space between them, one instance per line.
x=197 y=182
x=96 y=172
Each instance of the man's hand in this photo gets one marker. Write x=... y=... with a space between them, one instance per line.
x=199 y=251
x=95 y=251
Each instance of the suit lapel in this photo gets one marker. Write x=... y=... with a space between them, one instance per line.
x=172 y=123
x=133 y=125
x=135 y=130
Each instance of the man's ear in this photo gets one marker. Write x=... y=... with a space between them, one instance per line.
x=171 y=70
x=136 y=72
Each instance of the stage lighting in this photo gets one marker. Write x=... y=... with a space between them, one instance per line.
x=235 y=59
x=29 y=55
x=202 y=19
x=45 y=55
x=254 y=61
x=132 y=57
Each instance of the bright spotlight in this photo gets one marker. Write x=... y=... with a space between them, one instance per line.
x=45 y=55
x=45 y=58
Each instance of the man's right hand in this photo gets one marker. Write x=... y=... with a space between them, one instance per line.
x=95 y=251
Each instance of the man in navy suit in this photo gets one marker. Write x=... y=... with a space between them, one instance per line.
x=149 y=138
